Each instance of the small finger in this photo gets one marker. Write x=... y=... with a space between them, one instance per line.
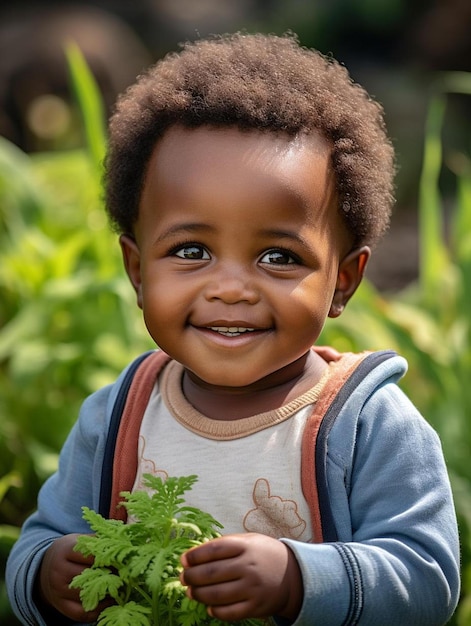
x=212 y=573
x=231 y=612
x=214 y=550
x=222 y=594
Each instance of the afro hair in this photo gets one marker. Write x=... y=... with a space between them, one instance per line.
x=255 y=82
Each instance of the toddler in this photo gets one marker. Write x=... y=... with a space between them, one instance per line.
x=248 y=179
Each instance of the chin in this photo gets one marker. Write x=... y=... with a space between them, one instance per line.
x=224 y=380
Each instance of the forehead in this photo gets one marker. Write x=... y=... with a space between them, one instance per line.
x=234 y=166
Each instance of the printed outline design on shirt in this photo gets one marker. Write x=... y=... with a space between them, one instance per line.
x=273 y=516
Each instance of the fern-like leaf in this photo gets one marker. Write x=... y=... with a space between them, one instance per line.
x=129 y=613
x=95 y=584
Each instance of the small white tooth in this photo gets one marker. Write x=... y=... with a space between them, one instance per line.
x=231 y=329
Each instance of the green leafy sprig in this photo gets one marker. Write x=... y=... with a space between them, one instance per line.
x=138 y=564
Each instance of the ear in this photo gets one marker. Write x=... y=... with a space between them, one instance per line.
x=350 y=273
x=132 y=264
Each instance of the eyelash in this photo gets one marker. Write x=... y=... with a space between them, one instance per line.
x=295 y=260
x=187 y=244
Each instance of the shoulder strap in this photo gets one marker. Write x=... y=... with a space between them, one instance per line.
x=110 y=445
x=120 y=458
x=351 y=370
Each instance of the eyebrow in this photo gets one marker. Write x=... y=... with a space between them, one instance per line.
x=183 y=228
x=197 y=228
x=284 y=234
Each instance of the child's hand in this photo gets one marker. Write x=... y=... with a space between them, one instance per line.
x=59 y=565
x=244 y=576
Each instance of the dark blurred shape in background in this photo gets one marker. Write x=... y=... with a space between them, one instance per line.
x=381 y=43
x=35 y=94
x=442 y=37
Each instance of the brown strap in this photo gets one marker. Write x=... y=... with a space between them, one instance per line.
x=346 y=363
x=125 y=458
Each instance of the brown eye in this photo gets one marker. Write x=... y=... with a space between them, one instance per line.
x=192 y=253
x=278 y=257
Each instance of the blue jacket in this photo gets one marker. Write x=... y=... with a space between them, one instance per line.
x=395 y=557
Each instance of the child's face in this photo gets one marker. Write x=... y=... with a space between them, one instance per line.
x=239 y=251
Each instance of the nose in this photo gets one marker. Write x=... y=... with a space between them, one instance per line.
x=232 y=285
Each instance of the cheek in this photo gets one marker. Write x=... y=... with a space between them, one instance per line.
x=166 y=302
x=158 y=284
x=312 y=299
x=157 y=299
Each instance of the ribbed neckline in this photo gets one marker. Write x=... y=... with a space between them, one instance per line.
x=170 y=385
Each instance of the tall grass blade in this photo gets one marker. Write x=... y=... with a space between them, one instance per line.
x=432 y=253
x=90 y=103
x=460 y=83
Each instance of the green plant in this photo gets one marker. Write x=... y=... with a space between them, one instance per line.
x=138 y=564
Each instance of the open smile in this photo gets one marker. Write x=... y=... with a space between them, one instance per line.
x=231 y=331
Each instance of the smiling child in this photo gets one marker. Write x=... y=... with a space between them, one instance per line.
x=248 y=179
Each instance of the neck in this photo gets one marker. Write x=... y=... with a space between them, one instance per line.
x=231 y=403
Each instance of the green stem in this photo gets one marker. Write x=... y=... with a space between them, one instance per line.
x=155 y=608
x=144 y=594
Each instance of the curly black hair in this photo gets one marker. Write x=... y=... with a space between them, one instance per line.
x=263 y=82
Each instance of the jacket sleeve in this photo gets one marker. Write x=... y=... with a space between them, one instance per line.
x=397 y=558
x=60 y=500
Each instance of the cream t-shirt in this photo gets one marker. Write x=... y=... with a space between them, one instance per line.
x=249 y=470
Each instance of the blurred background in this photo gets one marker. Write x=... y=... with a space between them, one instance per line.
x=67 y=317
x=392 y=47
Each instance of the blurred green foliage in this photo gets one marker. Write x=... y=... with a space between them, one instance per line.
x=69 y=322
x=68 y=318
x=430 y=321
